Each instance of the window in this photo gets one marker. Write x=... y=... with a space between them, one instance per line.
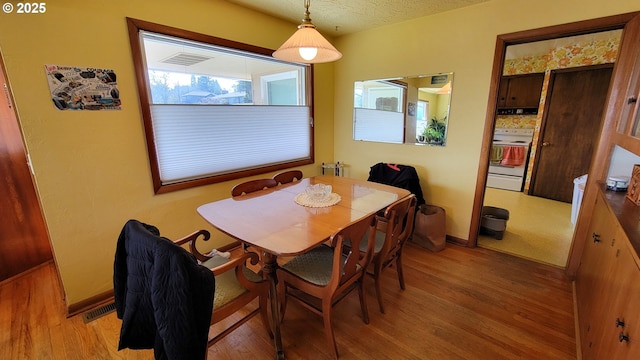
x=421 y=117
x=216 y=110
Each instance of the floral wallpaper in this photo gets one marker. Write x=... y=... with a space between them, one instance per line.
x=590 y=53
x=594 y=52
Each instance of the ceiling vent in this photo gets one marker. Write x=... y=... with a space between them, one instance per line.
x=184 y=59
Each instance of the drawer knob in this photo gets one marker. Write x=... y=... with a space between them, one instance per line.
x=596 y=237
x=623 y=337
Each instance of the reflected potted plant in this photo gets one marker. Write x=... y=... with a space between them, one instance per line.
x=435 y=131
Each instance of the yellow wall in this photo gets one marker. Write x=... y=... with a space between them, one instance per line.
x=91 y=168
x=460 y=41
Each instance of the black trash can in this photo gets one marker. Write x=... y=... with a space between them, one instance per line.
x=494 y=221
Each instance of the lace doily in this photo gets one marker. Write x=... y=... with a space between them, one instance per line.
x=303 y=199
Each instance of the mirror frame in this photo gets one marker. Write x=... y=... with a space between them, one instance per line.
x=416 y=108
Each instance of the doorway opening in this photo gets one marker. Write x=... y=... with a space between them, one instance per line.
x=530 y=215
x=566 y=127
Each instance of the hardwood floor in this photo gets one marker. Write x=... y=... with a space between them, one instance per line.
x=459 y=303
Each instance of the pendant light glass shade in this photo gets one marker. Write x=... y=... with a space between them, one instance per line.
x=307 y=45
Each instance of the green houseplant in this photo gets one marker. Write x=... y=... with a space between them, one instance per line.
x=435 y=131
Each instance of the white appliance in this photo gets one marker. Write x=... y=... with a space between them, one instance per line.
x=509 y=157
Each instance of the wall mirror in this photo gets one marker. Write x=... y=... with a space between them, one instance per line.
x=405 y=110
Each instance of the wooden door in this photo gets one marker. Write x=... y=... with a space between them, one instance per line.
x=24 y=242
x=570 y=130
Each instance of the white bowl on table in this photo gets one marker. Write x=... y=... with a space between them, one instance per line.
x=318 y=192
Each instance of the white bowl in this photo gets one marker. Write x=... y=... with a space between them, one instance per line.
x=318 y=192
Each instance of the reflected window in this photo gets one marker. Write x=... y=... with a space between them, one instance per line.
x=421 y=116
x=379 y=104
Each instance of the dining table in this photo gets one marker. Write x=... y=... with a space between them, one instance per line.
x=284 y=221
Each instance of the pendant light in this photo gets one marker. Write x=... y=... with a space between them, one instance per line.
x=307 y=45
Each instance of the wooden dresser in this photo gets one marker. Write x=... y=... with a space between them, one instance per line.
x=607 y=286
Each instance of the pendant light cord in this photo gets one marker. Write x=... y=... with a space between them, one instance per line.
x=307 y=19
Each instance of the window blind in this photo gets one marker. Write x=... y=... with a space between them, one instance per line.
x=378 y=125
x=193 y=141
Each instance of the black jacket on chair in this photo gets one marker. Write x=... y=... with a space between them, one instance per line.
x=402 y=176
x=162 y=295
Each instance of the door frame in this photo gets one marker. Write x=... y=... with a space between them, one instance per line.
x=614 y=22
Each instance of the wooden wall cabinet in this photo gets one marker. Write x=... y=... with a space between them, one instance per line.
x=608 y=289
x=626 y=105
x=630 y=113
x=520 y=92
x=607 y=235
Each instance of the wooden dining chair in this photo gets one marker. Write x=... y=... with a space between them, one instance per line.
x=392 y=233
x=236 y=285
x=323 y=276
x=168 y=299
x=288 y=176
x=159 y=309
x=252 y=185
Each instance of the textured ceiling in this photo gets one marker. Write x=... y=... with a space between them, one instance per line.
x=350 y=16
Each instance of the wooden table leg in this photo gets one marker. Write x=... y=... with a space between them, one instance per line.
x=269 y=268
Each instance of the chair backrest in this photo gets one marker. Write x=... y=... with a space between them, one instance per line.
x=252 y=185
x=288 y=176
x=348 y=263
x=400 y=218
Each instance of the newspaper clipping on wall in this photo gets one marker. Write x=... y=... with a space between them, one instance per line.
x=79 y=88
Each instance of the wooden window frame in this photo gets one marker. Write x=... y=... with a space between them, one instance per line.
x=134 y=27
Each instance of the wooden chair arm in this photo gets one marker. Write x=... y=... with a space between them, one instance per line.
x=239 y=264
x=239 y=261
x=191 y=239
x=230 y=246
x=193 y=236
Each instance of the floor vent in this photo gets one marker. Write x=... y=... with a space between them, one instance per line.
x=98 y=312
